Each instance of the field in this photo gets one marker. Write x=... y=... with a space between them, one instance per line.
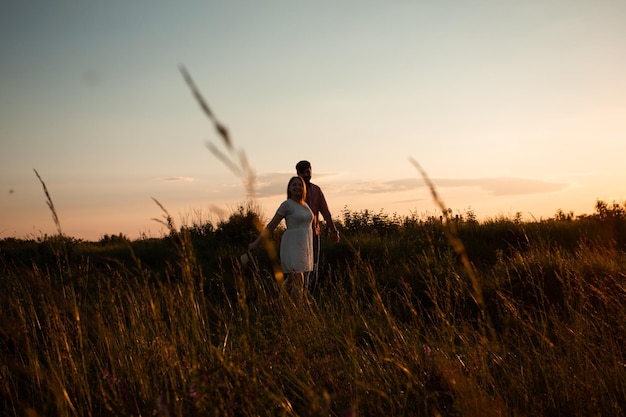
x=414 y=316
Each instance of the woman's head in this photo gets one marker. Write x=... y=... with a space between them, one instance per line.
x=296 y=189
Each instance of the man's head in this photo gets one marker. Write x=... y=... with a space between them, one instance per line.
x=303 y=169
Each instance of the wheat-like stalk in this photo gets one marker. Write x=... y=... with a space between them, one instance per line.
x=457 y=245
x=235 y=160
x=55 y=216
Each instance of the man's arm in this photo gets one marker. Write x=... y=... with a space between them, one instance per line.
x=328 y=218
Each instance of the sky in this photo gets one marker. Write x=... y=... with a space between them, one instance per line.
x=508 y=106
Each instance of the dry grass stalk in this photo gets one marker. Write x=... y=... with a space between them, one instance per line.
x=453 y=238
x=236 y=161
x=55 y=216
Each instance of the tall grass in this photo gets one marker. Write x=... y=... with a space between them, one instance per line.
x=415 y=316
x=408 y=341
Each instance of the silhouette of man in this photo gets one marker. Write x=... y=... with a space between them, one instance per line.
x=317 y=202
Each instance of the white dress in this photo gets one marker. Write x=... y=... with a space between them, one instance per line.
x=296 y=245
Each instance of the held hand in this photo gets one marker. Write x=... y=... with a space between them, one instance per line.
x=334 y=235
x=252 y=246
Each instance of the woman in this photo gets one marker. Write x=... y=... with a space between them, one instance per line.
x=296 y=245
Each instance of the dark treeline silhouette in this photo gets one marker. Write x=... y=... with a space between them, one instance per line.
x=374 y=235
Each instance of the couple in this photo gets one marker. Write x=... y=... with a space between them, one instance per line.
x=299 y=246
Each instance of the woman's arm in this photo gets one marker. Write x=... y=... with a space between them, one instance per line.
x=266 y=232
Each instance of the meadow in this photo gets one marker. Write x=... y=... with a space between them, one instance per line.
x=415 y=315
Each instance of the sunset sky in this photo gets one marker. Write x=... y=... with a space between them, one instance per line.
x=509 y=106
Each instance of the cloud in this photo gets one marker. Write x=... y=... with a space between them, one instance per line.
x=275 y=183
x=394 y=186
x=518 y=186
x=272 y=184
x=494 y=186
x=178 y=179
x=409 y=200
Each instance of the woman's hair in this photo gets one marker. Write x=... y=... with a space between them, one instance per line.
x=303 y=188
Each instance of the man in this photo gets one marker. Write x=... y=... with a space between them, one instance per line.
x=317 y=202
